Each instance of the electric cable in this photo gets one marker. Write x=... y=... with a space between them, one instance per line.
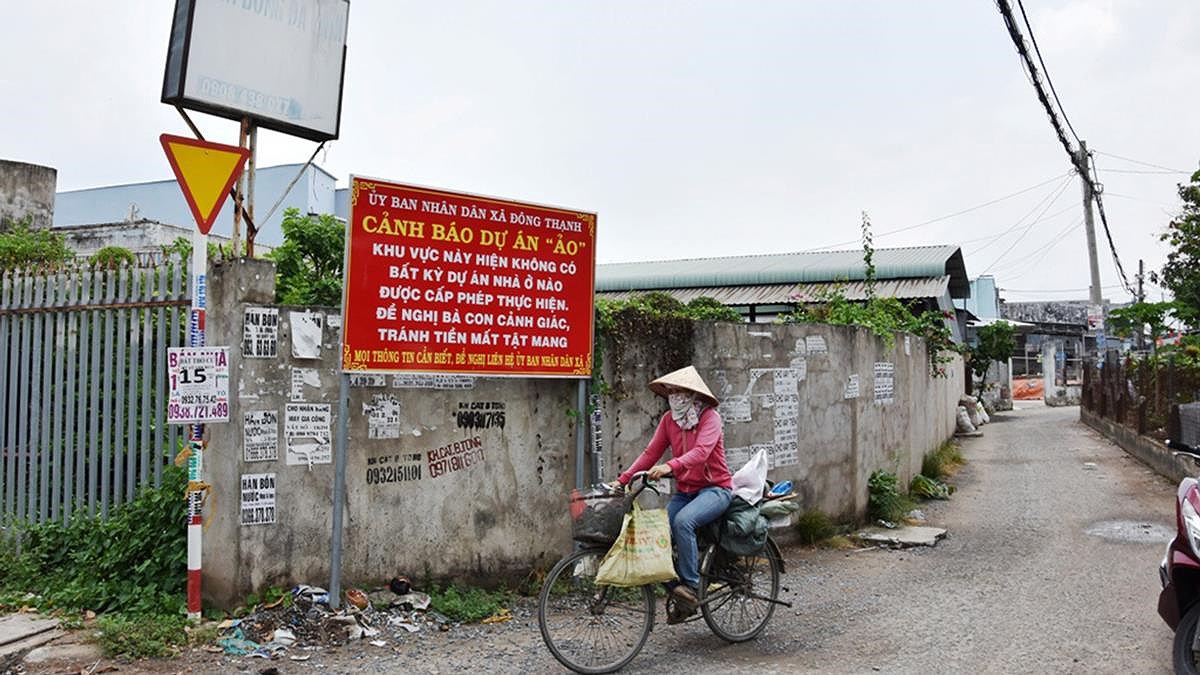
x=1045 y=70
x=949 y=216
x=1025 y=232
x=1098 y=195
x=1081 y=163
x=1050 y=217
x=1020 y=267
x=1157 y=172
x=1014 y=33
x=1138 y=161
x=1053 y=197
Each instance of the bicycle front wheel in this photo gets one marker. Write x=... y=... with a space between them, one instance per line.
x=737 y=592
x=591 y=628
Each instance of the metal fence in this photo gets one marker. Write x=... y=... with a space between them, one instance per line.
x=83 y=386
x=1143 y=394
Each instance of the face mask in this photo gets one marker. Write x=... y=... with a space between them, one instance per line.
x=680 y=403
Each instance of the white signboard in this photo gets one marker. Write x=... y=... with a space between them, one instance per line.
x=277 y=62
x=199 y=385
x=885 y=382
x=306 y=434
x=258 y=498
x=383 y=416
x=851 y=389
x=260 y=436
x=260 y=333
x=301 y=378
x=816 y=344
x=307 y=330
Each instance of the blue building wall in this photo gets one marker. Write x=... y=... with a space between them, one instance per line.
x=984 y=302
x=163 y=201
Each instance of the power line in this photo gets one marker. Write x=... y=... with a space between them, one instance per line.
x=949 y=216
x=1056 y=290
x=1053 y=197
x=1146 y=171
x=1139 y=199
x=1098 y=195
x=1079 y=162
x=1045 y=70
x=1138 y=161
x=1018 y=39
x=1052 y=216
x=1025 y=232
x=1033 y=261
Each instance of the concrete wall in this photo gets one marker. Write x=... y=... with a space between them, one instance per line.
x=468 y=477
x=27 y=190
x=1149 y=451
x=145 y=238
x=784 y=387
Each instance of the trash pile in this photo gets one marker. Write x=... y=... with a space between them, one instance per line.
x=308 y=623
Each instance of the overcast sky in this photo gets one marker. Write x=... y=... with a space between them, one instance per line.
x=692 y=128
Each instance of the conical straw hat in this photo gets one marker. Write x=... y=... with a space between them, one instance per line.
x=684 y=378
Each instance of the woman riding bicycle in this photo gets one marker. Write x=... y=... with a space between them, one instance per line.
x=703 y=488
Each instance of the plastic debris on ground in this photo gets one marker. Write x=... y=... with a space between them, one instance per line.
x=304 y=621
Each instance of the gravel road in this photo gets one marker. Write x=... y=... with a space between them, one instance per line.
x=1050 y=565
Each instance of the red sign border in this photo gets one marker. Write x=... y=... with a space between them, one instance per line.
x=205 y=224
x=589 y=216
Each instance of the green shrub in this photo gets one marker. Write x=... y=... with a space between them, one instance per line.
x=112 y=257
x=467 y=605
x=710 y=309
x=814 y=526
x=150 y=636
x=132 y=562
x=885 y=501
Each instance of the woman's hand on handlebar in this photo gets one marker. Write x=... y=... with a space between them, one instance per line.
x=658 y=471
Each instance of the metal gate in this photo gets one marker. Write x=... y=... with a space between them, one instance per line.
x=83 y=386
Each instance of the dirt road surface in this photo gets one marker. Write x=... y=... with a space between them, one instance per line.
x=1050 y=566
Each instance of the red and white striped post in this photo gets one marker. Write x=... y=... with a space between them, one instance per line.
x=206 y=172
x=195 y=464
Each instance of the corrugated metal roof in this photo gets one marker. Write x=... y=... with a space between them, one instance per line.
x=783 y=268
x=786 y=294
x=927 y=287
x=766 y=294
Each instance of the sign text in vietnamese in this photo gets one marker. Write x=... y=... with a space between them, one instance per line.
x=446 y=282
x=199 y=384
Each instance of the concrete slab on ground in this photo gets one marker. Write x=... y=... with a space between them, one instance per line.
x=20 y=633
x=904 y=537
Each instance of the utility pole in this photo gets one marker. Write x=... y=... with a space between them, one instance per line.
x=1141 y=297
x=1082 y=164
x=1141 y=294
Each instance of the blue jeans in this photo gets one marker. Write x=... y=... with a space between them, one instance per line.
x=687 y=512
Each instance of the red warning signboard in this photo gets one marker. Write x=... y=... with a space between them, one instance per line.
x=205 y=172
x=445 y=282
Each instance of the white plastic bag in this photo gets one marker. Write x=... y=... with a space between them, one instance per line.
x=983 y=414
x=749 y=481
x=964 y=421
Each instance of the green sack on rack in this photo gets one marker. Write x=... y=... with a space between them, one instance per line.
x=642 y=553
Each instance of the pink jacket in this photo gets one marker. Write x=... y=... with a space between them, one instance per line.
x=699 y=453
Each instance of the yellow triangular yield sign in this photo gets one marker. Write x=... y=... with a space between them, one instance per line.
x=205 y=172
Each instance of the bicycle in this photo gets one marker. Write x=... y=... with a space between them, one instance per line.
x=592 y=628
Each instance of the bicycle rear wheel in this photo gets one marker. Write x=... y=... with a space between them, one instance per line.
x=591 y=628
x=737 y=592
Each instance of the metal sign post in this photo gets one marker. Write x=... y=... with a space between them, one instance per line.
x=205 y=172
x=195 y=463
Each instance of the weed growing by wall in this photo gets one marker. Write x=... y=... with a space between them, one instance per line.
x=132 y=562
x=882 y=316
x=885 y=501
x=653 y=318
